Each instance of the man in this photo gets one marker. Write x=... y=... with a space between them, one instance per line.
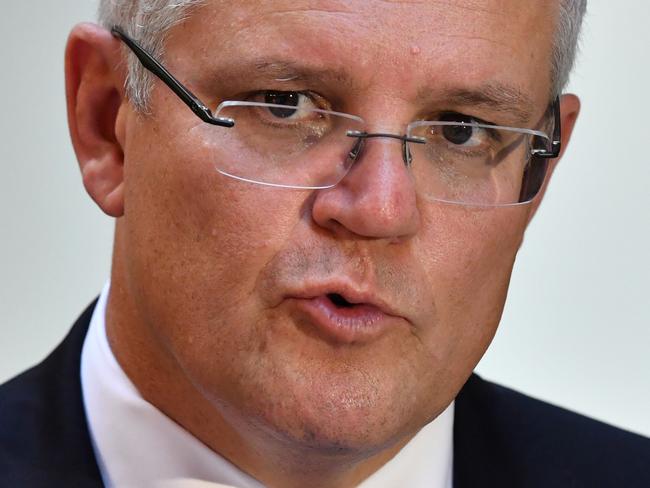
x=309 y=263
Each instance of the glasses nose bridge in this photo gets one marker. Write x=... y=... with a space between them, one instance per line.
x=405 y=139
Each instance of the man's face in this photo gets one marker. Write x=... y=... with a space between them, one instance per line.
x=238 y=281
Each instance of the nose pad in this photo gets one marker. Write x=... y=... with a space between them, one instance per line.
x=406 y=150
x=356 y=149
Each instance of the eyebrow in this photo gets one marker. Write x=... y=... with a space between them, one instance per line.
x=495 y=96
x=288 y=71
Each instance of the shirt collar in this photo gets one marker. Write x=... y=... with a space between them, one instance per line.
x=128 y=431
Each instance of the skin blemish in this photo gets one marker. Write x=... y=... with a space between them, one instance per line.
x=415 y=49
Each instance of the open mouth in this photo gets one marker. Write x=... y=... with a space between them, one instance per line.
x=339 y=300
x=344 y=317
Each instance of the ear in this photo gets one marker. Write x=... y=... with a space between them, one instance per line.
x=95 y=98
x=569 y=111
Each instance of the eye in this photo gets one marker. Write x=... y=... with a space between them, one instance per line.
x=465 y=133
x=301 y=101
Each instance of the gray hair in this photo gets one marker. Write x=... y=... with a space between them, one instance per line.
x=565 y=45
x=149 y=21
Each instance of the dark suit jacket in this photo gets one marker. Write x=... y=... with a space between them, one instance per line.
x=501 y=438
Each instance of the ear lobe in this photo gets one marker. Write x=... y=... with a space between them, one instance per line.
x=96 y=103
x=569 y=111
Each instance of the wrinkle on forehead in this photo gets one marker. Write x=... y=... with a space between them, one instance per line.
x=475 y=38
x=494 y=8
x=449 y=19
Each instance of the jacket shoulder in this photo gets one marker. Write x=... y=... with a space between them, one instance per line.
x=43 y=430
x=540 y=441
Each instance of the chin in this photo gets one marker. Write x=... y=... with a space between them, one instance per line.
x=339 y=413
x=344 y=437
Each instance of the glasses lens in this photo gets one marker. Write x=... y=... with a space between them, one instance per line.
x=477 y=164
x=284 y=145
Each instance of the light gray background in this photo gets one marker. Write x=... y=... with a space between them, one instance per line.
x=576 y=331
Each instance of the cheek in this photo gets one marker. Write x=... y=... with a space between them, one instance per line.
x=196 y=239
x=468 y=257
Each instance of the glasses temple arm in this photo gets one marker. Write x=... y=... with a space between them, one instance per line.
x=556 y=141
x=152 y=65
x=557 y=129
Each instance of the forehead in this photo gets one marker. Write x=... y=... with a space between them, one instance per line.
x=413 y=47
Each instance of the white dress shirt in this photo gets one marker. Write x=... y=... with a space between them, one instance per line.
x=136 y=445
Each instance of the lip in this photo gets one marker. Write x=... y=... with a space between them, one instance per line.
x=365 y=320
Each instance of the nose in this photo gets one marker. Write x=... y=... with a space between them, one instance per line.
x=376 y=199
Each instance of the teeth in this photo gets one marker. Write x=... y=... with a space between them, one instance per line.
x=339 y=301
